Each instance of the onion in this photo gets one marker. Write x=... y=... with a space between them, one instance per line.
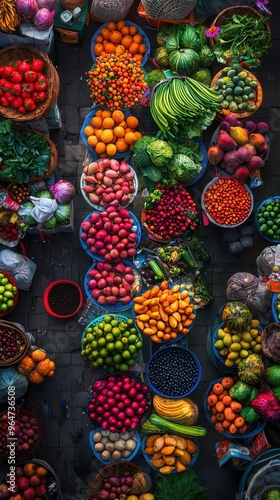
x=26 y=8
x=43 y=19
x=63 y=191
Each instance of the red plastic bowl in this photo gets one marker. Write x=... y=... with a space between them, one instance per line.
x=15 y=299
x=47 y=293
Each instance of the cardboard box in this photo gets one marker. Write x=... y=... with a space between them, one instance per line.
x=27 y=34
x=74 y=33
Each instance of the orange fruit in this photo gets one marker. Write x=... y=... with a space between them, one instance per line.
x=137 y=134
x=115 y=37
x=99 y=39
x=107 y=135
x=119 y=131
x=120 y=25
x=138 y=57
x=98 y=112
x=92 y=140
x=96 y=121
x=111 y=149
x=100 y=148
x=108 y=122
x=129 y=137
x=138 y=38
x=105 y=33
x=121 y=145
x=117 y=116
x=132 y=121
x=88 y=130
x=98 y=48
x=133 y=30
x=112 y=26
x=122 y=124
x=133 y=48
x=105 y=113
x=142 y=48
x=110 y=48
x=98 y=132
x=125 y=30
x=38 y=355
x=120 y=49
x=128 y=129
x=126 y=41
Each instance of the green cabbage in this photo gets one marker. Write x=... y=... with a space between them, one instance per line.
x=152 y=172
x=44 y=194
x=140 y=151
x=50 y=223
x=185 y=168
x=62 y=212
x=160 y=152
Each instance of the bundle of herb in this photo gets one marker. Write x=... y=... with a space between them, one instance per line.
x=24 y=154
x=244 y=39
x=180 y=487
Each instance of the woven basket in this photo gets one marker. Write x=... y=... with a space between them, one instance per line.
x=109 y=470
x=23 y=52
x=16 y=359
x=225 y=15
x=52 y=161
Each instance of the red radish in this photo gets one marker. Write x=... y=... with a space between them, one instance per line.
x=86 y=225
x=94 y=218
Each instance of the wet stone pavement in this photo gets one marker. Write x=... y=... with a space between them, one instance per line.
x=61 y=401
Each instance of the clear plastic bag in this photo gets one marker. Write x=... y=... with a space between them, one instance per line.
x=247 y=288
x=22 y=269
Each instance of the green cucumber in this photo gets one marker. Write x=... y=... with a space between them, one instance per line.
x=187 y=258
x=156 y=269
x=183 y=430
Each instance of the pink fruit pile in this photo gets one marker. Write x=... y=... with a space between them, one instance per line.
x=25 y=430
x=118 y=403
x=109 y=284
x=240 y=148
x=110 y=234
x=109 y=182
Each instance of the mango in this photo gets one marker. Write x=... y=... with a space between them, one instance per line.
x=258 y=140
x=257 y=349
x=246 y=336
x=254 y=323
x=254 y=333
x=224 y=352
x=233 y=355
x=245 y=345
x=229 y=363
x=240 y=135
x=243 y=353
x=236 y=338
x=237 y=361
x=219 y=344
x=220 y=333
x=236 y=347
x=227 y=340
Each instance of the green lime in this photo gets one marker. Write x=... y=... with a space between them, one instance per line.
x=124 y=340
x=139 y=345
x=83 y=353
x=114 y=323
x=116 y=332
x=126 y=333
x=5 y=299
x=118 y=345
x=90 y=357
x=107 y=318
x=107 y=328
x=122 y=326
x=4 y=281
x=103 y=352
x=109 y=337
x=123 y=367
x=101 y=325
x=89 y=337
x=95 y=365
x=133 y=331
x=99 y=361
x=126 y=354
x=135 y=355
x=95 y=354
x=101 y=342
x=132 y=349
x=110 y=346
x=2 y=276
x=117 y=358
x=84 y=341
x=94 y=344
x=99 y=333
x=9 y=287
x=129 y=322
x=132 y=339
x=108 y=360
x=4 y=307
x=131 y=362
x=10 y=303
x=2 y=289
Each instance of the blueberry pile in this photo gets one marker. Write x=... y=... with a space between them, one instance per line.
x=173 y=372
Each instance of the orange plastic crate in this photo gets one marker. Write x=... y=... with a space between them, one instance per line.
x=158 y=23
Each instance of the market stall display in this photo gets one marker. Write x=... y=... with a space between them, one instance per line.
x=115 y=447
x=181 y=454
x=267 y=219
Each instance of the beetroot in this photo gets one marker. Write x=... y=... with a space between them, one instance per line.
x=231 y=119
x=224 y=126
x=262 y=128
x=23 y=482
x=255 y=163
x=241 y=173
x=250 y=126
x=232 y=160
x=245 y=154
x=30 y=493
x=225 y=141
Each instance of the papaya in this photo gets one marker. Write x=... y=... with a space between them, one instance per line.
x=240 y=135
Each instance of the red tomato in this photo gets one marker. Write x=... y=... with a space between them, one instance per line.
x=4 y=102
x=16 y=76
x=27 y=89
x=39 y=96
x=37 y=65
x=30 y=76
x=22 y=110
x=7 y=71
x=24 y=66
x=10 y=97
x=29 y=104
x=17 y=88
x=41 y=83
x=17 y=102
x=5 y=85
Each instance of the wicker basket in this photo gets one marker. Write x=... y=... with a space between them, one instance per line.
x=109 y=470
x=16 y=359
x=52 y=161
x=225 y=15
x=23 y=52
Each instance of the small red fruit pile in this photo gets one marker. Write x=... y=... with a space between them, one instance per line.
x=25 y=431
x=108 y=182
x=28 y=482
x=23 y=86
x=109 y=284
x=118 y=403
x=110 y=234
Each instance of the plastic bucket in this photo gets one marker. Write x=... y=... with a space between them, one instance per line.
x=258 y=469
x=58 y=284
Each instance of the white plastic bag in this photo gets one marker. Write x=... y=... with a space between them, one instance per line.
x=22 y=269
x=44 y=208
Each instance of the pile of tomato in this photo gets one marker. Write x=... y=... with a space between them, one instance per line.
x=23 y=86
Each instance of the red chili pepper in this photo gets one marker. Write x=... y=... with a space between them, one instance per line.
x=41 y=83
x=30 y=76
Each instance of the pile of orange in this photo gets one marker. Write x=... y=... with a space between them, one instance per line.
x=111 y=132
x=120 y=38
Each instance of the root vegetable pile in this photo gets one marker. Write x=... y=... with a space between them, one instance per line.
x=109 y=284
x=169 y=212
x=114 y=446
x=227 y=202
x=116 y=81
x=173 y=372
x=118 y=403
x=109 y=182
x=111 y=234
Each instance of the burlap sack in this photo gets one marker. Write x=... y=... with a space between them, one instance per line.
x=72 y=4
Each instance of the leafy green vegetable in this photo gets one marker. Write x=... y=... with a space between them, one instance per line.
x=154 y=77
x=62 y=212
x=25 y=154
x=152 y=172
x=180 y=486
x=243 y=38
x=160 y=152
x=152 y=198
x=200 y=31
x=186 y=168
x=140 y=151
